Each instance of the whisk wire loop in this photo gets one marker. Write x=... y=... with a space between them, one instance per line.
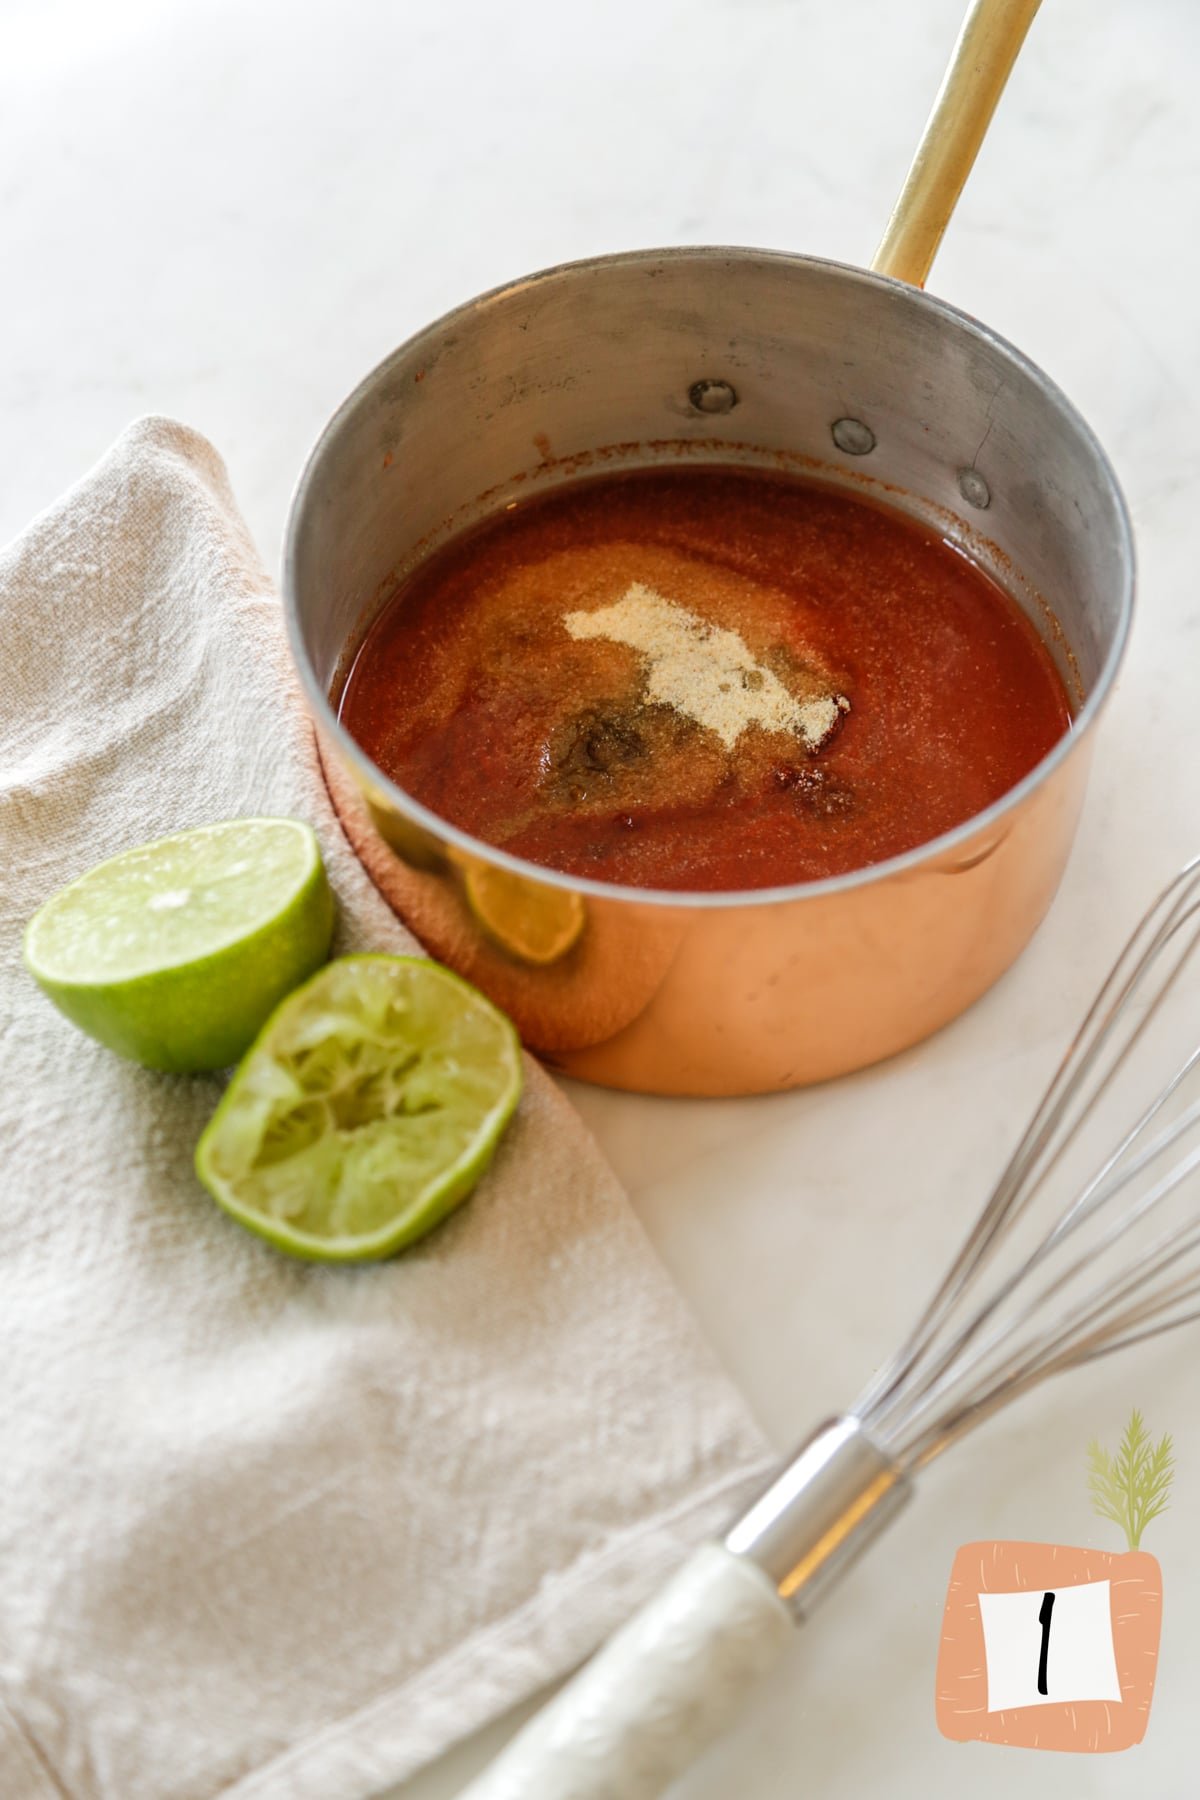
x=991 y=1330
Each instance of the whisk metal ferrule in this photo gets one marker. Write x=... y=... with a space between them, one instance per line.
x=818 y=1516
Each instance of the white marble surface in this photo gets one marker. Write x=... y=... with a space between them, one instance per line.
x=229 y=209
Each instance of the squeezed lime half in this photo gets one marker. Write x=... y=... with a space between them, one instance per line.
x=175 y=953
x=367 y=1110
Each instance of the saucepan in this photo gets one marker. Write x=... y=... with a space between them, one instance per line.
x=850 y=376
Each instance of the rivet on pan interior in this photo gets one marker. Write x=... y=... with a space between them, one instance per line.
x=712 y=396
x=852 y=436
x=974 y=489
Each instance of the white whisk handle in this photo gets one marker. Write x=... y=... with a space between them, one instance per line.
x=657 y=1694
x=666 y=1685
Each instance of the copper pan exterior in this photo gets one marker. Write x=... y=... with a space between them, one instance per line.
x=725 y=356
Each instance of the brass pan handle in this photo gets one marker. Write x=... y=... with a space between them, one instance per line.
x=992 y=34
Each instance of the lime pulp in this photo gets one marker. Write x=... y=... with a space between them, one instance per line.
x=368 y=1108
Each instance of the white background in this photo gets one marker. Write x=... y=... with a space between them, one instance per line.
x=230 y=209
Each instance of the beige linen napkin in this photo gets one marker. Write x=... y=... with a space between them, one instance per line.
x=268 y=1529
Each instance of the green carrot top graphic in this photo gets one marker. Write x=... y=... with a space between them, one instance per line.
x=1133 y=1486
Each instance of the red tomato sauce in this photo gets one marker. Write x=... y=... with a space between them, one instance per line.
x=470 y=692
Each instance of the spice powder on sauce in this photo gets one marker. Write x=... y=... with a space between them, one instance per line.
x=705 y=672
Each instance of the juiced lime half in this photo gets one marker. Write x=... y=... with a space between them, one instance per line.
x=175 y=953
x=367 y=1110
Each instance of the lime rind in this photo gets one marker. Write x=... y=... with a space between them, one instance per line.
x=367 y=1109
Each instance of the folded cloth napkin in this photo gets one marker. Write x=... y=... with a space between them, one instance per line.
x=270 y=1529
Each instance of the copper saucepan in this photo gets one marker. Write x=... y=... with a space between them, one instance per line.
x=739 y=356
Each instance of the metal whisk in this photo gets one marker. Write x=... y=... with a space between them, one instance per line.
x=1095 y=1278
x=1088 y=1244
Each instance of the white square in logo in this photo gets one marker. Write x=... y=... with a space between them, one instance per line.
x=1066 y=1641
